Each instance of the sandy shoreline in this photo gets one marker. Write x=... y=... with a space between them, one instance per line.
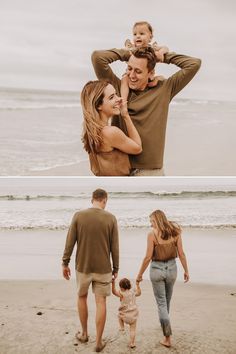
x=203 y=319
x=203 y=311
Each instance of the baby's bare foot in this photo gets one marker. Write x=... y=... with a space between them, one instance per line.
x=132 y=345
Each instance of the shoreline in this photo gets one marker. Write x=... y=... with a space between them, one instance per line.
x=53 y=332
x=77 y=169
x=184 y=156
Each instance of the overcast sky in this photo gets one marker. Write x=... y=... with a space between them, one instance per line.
x=47 y=44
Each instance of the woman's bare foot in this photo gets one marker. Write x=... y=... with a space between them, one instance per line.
x=100 y=347
x=166 y=342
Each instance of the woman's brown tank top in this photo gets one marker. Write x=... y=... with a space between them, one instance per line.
x=163 y=251
x=112 y=163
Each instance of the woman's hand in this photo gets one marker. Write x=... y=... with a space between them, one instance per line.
x=186 y=277
x=139 y=278
x=123 y=108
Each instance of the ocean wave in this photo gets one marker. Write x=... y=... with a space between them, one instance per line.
x=16 y=106
x=126 y=226
x=17 y=99
x=129 y=195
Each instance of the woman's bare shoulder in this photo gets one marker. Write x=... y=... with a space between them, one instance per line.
x=150 y=235
x=110 y=130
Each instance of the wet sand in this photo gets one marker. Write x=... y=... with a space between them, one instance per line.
x=203 y=320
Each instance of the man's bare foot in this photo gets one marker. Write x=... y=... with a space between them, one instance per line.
x=83 y=338
x=100 y=347
x=166 y=343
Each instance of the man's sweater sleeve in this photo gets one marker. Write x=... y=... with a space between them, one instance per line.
x=70 y=241
x=102 y=59
x=115 y=247
x=189 y=67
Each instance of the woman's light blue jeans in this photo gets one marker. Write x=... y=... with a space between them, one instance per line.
x=163 y=275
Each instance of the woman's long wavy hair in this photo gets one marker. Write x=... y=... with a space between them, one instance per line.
x=91 y=98
x=166 y=227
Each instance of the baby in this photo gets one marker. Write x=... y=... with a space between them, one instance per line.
x=128 y=310
x=142 y=37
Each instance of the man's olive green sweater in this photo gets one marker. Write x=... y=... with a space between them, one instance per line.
x=96 y=234
x=148 y=109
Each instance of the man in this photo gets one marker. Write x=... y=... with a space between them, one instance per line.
x=96 y=234
x=147 y=104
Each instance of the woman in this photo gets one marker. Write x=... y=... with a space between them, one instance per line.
x=164 y=244
x=108 y=147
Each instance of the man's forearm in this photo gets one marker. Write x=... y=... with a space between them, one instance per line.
x=102 y=59
x=115 y=261
x=189 y=67
x=70 y=242
x=115 y=248
x=67 y=255
x=182 y=61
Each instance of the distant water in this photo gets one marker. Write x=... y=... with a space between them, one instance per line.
x=215 y=209
x=12 y=99
x=42 y=129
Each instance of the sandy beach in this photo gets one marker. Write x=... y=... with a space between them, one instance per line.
x=203 y=311
x=203 y=320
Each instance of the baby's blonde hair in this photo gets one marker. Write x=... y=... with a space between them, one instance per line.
x=144 y=23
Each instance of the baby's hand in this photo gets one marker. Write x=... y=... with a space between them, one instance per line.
x=159 y=56
x=160 y=53
x=153 y=82
x=129 y=45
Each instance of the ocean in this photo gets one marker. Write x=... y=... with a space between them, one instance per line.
x=35 y=214
x=192 y=209
x=42 y=130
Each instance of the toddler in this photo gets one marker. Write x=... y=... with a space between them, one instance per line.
x=128 y=310
x=142 y=37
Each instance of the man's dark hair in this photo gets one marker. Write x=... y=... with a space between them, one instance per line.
x=99 y=194
x=149 y=54
x=125 y=284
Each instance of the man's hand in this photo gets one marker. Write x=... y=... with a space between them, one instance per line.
x=66 y=272
x=114 y=275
